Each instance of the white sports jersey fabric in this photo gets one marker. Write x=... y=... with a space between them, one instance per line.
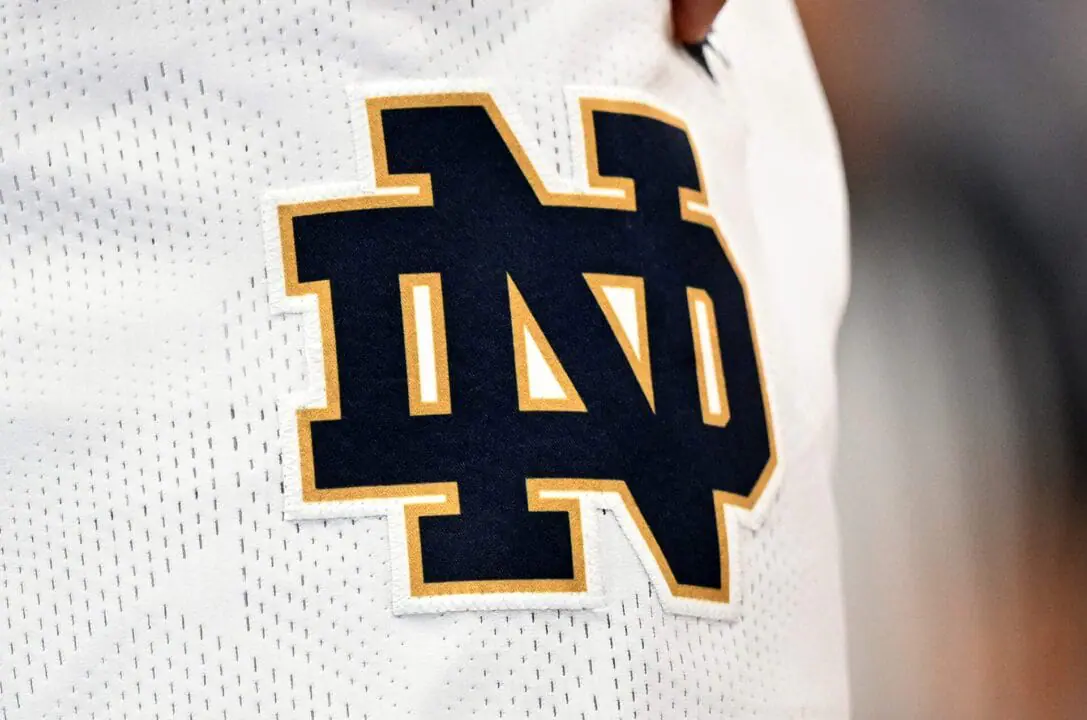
x=147 y=569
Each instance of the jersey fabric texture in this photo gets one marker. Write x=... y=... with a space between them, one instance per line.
x=267 y=446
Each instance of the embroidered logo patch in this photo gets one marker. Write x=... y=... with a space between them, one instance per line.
x=502 y=355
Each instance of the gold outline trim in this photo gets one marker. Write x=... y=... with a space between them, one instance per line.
x=695 y=297
x=536 y=503
x=414 y=190
x=639 y=358
x=416 y=405
x=523 y=321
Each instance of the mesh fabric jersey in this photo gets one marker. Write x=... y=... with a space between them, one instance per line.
x=149 y=564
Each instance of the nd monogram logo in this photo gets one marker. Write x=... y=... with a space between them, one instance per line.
x=504 y=358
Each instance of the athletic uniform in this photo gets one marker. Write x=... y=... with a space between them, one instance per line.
x=416 y=360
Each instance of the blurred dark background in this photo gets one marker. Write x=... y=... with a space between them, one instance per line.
x=963 y=483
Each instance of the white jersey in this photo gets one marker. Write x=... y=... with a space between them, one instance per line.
x=415 y=360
